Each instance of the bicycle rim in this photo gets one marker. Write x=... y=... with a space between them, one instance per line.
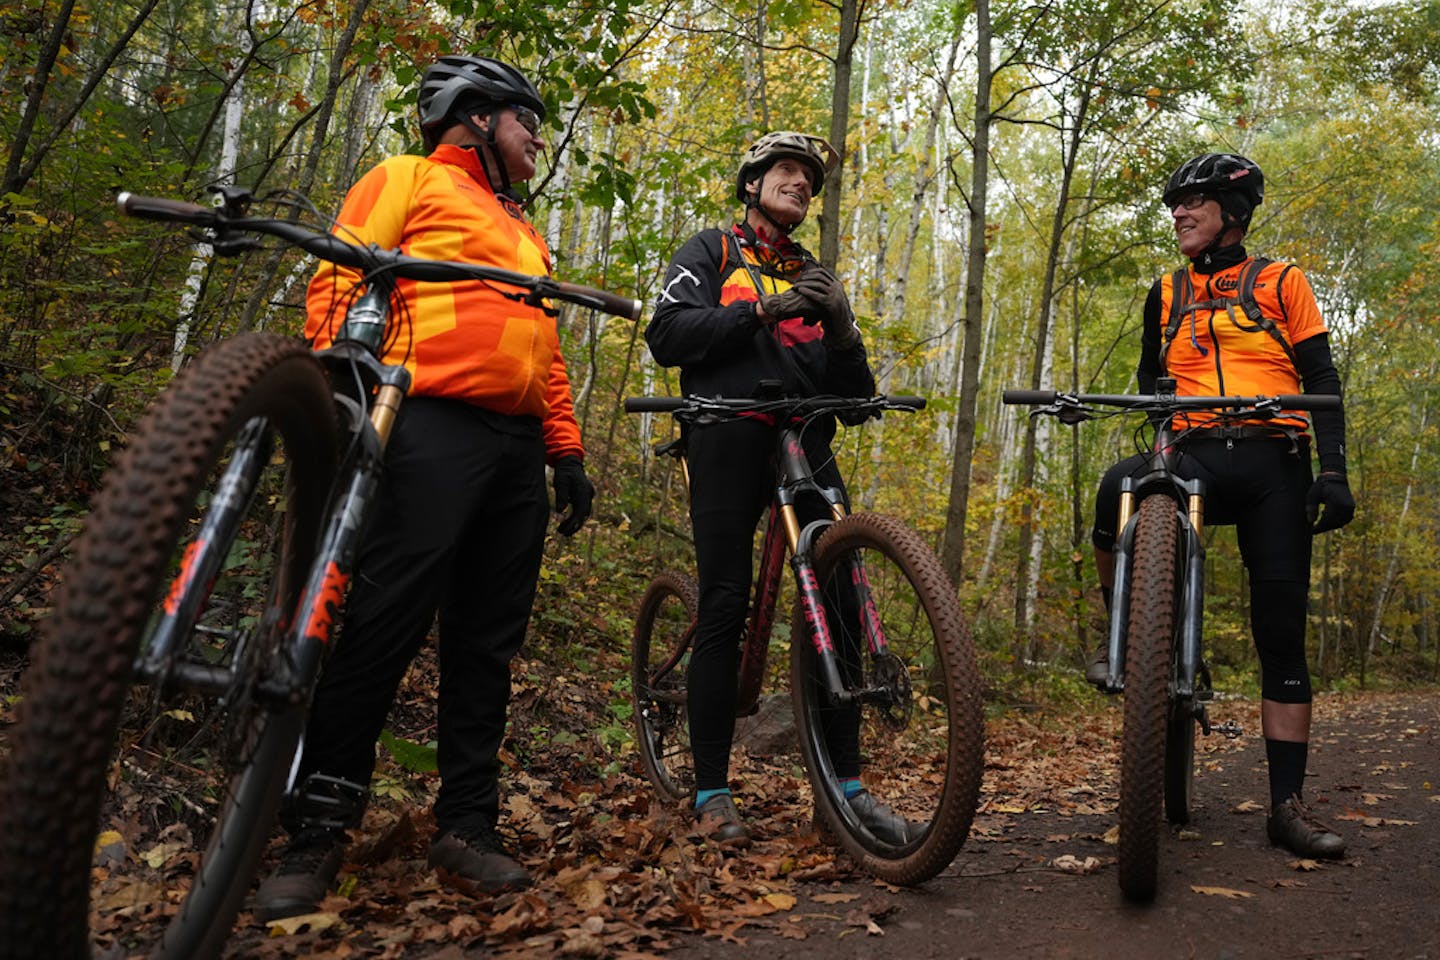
x=1150 y=635
x=920 y=721
x=659 y=660
x=191 y=771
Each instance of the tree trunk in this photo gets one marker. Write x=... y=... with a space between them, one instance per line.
x=952 y=549
x=839 y=125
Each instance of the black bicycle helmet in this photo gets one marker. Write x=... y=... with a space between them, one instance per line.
x=459 y=81
x=815 y=152
x=1234 y=181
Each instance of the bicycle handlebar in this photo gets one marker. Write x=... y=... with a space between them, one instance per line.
x=330 y=247
x=737 y=406
x=1284 y=401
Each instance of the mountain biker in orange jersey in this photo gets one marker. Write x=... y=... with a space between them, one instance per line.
x=1216 y=338
x=461 y=516
x=740 y=308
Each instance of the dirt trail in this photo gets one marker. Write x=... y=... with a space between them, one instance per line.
x=1225 y=893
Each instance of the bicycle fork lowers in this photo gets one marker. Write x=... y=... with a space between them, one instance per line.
x=288 y=679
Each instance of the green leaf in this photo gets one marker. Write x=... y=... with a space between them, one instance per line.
x=415 y=757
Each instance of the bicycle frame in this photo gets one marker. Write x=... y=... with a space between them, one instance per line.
x=784 y=535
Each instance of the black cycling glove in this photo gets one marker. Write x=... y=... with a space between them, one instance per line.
x=573 y=490
x=1332 y=492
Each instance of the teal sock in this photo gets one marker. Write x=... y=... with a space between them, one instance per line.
x=703 y=795
x=851 y=786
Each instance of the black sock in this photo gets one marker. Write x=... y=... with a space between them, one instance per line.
x=1286 y=760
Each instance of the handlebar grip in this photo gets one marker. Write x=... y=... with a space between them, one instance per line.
x=1033 y=397
x=159 y=208
x=611 y=303
x=913 y=403
x=653 y=404
x=1309 y=401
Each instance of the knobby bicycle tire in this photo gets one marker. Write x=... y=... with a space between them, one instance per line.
x=1179 y=759
x=659 y=659
x=60 y=768
x=1149 y=639
x=921 y=751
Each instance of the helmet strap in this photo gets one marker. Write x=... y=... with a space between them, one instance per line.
x=486 y=150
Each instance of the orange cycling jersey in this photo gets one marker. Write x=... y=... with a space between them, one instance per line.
x=1218 y=352
x=465 y=340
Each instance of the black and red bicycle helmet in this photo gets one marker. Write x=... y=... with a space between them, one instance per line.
x=1231 y=179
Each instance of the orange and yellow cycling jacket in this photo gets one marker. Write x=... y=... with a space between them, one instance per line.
x=463 y=340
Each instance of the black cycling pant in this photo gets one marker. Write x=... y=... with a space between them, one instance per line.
x=732 y=481
x=458 y=530
x=1258 y=484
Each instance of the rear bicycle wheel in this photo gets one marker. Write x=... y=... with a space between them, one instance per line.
x=193 y=770
x=914 y=732
x=1150 y=637
x=659 y=659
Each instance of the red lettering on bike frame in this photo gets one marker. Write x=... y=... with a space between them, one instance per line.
x=869 y=616
x=184 y=578
x=321 y=620
x=814 y=610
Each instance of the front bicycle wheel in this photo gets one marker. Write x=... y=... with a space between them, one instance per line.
x=1179 y=759
x=659 y=659
x=1150 y=637
x=910 y=727
x=95 y=840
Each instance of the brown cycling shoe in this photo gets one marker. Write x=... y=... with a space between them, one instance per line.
x=718 y=820
x=1291 y=825
x=887 y=825
x=478 y=858
x=1097 y=671
x=299 y=883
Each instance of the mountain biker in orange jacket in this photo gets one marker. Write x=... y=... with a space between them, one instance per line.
x=460 y=519
x=742 y=307
x=1257 y=476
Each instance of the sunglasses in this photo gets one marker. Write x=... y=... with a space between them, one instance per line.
x=527 y=118
x=1190 y=201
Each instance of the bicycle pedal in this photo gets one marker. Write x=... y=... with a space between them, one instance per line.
x=1231 y=730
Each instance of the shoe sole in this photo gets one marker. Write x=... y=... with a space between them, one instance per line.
x=474 y=888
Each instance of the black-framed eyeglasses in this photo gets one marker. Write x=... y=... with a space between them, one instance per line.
x=527 y=118
x=1191 y=201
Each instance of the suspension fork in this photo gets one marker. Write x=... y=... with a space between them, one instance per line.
x=1192 y=612
x=160 y=663
x=796 y=473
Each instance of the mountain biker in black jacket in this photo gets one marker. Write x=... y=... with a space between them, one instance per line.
x=745 y=310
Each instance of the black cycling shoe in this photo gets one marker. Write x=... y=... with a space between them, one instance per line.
x=307 y=869
x=1291 y=825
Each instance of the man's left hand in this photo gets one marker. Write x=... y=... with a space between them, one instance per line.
x=824 y=289
x=1330 y=491
x=573 y=490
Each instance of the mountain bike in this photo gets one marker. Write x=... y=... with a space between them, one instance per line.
x=199 y=606
x=1157 y=602
x=877 y=643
